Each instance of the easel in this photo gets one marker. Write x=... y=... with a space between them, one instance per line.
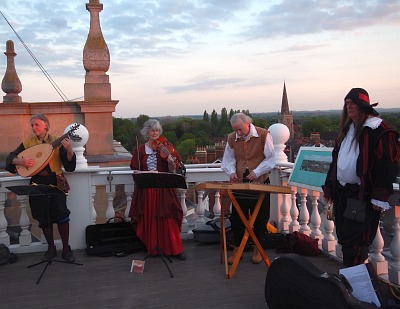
x=261 y=189
x=47 y=191
x=145 y=180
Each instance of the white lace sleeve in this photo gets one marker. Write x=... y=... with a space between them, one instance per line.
x=383 y=205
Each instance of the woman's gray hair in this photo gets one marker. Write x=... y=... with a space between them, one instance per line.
x=151 y=124
x=242 y=117
x=43 y=118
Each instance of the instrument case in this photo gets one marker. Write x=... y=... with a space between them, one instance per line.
x=294 y=282
x=113 y=238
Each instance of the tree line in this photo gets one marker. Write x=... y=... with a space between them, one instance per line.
x=187 y=133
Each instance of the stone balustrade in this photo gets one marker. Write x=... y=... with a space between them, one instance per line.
x=298 y=211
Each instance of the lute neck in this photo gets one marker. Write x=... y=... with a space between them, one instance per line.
x=57 y=143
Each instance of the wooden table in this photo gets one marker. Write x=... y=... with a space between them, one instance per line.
x=261 y=189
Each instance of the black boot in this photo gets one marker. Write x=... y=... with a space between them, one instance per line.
x=50 y=254
x=68 y=255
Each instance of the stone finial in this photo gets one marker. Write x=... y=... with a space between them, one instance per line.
x=280 y=135
x=78 y=146
x=11 y=84
x=96 y=56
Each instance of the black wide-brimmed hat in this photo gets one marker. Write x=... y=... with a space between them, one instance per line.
x=360 y=97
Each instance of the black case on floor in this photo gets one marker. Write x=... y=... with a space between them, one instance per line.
x=116 y=238
x=294 y=282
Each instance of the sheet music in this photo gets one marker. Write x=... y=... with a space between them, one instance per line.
x=155 y=179
x=361 y=282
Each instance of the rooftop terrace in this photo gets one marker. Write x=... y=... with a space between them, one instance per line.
x=106 y=282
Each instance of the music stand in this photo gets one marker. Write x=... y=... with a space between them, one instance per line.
x=145 y=180
x=41 y=190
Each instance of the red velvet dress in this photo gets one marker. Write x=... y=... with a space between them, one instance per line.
x=147 y=203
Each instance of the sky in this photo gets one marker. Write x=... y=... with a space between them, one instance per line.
x=184 y=57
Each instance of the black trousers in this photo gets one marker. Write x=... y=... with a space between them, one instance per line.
x=247 y=201
x=355 y=237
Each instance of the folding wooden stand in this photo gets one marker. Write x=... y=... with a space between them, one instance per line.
x=261 y=189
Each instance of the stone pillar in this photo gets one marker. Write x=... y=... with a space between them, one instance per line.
x=96 y=58
x=280 y=135
x=11 y=84
x=97 y=106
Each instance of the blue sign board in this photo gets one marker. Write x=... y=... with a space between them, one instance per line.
x=311 y=166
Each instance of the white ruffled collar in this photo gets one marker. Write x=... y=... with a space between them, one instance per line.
x=148 y=150
x=373 y=122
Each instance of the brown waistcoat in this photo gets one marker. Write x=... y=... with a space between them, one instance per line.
x=249 y=154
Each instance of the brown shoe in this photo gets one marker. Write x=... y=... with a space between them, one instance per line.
x=232 y=257
x=256 y=258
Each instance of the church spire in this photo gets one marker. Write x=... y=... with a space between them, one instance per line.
x=285 y=102
x=286 y=116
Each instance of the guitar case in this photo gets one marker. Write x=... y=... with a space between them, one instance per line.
x=294 y=282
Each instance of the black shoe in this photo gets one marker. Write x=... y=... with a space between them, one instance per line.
x=68 y=255
x=50 y=254
x=181 y=256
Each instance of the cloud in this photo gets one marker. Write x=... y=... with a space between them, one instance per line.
x=246 y=44
x=205 y=82
x=311 y=16
x=303 y=47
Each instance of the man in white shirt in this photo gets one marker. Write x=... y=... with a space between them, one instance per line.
x=249 y=157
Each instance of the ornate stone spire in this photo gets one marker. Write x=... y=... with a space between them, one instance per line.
x=11 y=84
x=96 y=58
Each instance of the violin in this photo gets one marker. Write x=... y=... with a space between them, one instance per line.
x=166 y=149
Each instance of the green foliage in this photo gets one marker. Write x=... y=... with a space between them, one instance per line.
x=171 y=137
x=393 y=120
x=202 y=139
x=231 y=112
x=186 y=148
x=319 y=124
x=141 y=120
x=206 y=117
x=125 y=131
x=263 y=122
x=186 y=136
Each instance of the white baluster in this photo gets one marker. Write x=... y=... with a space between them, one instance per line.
x=285 y=208
x=294 y=211
x=200 y=210
x=376 y=257
x=182 y=197
x=25 y=237
x=110 y=212
x=93 y=209
x=304 y=214
x=329 y=242
x=394 y=272
x=129 y=189
x=217 y=204
x=4 y=237
x=316 y=219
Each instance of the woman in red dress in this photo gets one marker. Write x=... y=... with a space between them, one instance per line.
x=151 y=202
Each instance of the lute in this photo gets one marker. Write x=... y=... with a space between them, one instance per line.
x=43 y=153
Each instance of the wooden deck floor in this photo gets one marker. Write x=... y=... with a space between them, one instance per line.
x=199 y=282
